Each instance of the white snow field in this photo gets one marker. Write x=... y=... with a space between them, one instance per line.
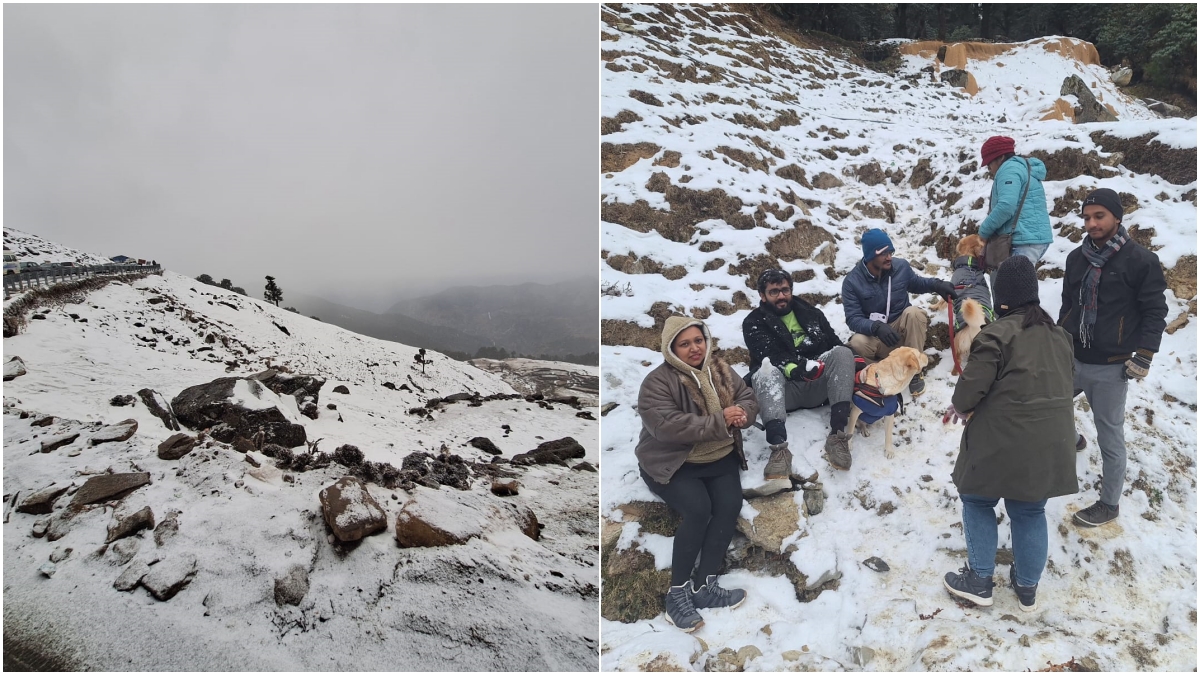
x=808 y=150
x=500 y=601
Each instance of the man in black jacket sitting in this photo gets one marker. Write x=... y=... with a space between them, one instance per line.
x=809 y=367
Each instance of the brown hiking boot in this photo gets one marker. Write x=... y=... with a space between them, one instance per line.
x=780 y=463
x=837 y=450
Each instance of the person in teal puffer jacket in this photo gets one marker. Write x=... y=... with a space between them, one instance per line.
x=1032 y=235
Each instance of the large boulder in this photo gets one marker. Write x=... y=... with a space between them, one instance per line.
x=350 y=510
x=552 y=452
x=170 y=576
x=42 y=501
x=108 y=486
x=232 y=407
x=130 y=524
x=777 y=520
x=305 y=388
x=445 y=518
x=1089 y=109
x=176 y=446
x=14 y=368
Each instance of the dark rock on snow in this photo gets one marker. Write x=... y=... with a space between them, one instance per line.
x=121 y=431
x=291 y=588
x=177 y=446
x=485 y=445
x=552 y=452
x=130 y=524
x=108 y=486
x=210 y=406
x=159 y=407
x=350 y=510
x=42 y=501
x=170 y=576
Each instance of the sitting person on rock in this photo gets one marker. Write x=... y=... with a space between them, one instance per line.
x=875 y=297
x=809 y=367
x=693 y=407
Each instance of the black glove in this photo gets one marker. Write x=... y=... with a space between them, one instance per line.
x=798 y=373
x=945 y=289
x=885 y=333
x=1139 y=366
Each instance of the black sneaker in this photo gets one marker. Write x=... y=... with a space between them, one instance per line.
x=916 y=386
x=712 y=595
x=1080 y=443
x=680 y=610
x=1027 y=595
x=1097 y=514
x=970 y=586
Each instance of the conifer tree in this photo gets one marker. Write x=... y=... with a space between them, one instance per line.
x=273 y=292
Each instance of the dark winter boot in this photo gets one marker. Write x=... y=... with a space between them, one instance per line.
x=780 y=463
x=680 y=610
x=1026 y=595
x=712 y=595
x=970 y=586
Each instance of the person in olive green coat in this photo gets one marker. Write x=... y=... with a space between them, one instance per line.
x=1018 y=444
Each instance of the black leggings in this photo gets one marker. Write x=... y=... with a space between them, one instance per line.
x=709 y=497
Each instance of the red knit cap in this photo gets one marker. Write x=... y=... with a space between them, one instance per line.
x=997 y=146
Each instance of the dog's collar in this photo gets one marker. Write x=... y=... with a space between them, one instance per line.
x=968 y=261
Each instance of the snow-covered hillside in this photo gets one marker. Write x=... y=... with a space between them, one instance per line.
x=729 y=147
x=500 y=601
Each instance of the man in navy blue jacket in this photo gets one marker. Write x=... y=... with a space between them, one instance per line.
x=875 y=297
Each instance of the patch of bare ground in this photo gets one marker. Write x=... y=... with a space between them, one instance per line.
x=870 y=173
x=612 y=125
x=688 y=208
x=627 y=333
x=1069 y=163
x=632 y=264
x=797 y=243
x=921 y=174
x=669 y=159
x=1181 y=279
x=615 y=158
x=643 y=97
x=1144 y=154
x=794 y=173
x=633 y=587
x=746 y=159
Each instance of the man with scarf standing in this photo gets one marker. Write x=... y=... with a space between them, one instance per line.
x=1114 y=307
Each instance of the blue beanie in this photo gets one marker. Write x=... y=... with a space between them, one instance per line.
x=875 y=242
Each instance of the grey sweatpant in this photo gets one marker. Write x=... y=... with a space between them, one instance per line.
x=1105 y=387
x=778 y=395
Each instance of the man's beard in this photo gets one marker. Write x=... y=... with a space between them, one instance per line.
x=781 y=312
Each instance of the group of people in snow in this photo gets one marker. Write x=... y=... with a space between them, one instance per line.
x=1014 y=396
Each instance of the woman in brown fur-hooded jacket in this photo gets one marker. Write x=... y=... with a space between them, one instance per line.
x=693 y=408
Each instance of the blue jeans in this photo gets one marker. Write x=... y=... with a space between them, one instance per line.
x=1030 y=542
x=1032 y=251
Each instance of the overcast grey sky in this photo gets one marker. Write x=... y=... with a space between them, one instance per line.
x=376 y=149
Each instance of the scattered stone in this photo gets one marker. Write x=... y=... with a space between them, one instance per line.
x=168 y=528
x=218 y=407
x=42 y=501
x=48 y=569
x=14 y=368
x=40 y=527
x=767 y=488
x=170 y=576
x=792 y=655
x=350 y=510
x=586 y=414
x=108 y=486
x=43 y=422
x=121 y=431
x=179 y=445
x=131 y=576
x=505 y=488
x=291 y=588
x=584 y=466
x=341 y=389
x=778 y=519
x=814 y=498
x=55 y=442
x=446 y=518
x=125 y=549
x=157 y=404
x=956 y=78
x=60 y=554
x=552 y=452
x=862 y=655
x=876 y=564
x=484 y=444
x=59 y=526
x=1089 y=109
x=122 y=401
x=131 y=524
x=607 y=408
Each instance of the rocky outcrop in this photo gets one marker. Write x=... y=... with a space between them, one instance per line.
x=176 y=446
x=552 y=452
x=55 y=442
x=108 y=486
x=350 y=511
x=305 y=388
x=440 y=518
x=121 y=431
x=1088 y=109
x=232 y=407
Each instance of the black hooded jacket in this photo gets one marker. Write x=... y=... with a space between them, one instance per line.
x=766 y=336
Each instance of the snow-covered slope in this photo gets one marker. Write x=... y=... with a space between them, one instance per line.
x=730 y=147
x=500 y=601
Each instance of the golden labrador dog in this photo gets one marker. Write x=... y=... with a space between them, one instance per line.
x=891 y=377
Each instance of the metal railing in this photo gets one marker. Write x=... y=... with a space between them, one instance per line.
x=50 y=276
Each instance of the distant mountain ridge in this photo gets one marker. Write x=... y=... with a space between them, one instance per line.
x=528 y=318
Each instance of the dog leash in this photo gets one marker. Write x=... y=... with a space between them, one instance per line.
x=950 y=318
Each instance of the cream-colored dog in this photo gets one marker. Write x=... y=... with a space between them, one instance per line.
x=972 y=310
x=890 y=376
